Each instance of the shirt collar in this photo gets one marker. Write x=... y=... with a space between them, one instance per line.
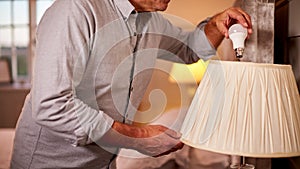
x=125 y=7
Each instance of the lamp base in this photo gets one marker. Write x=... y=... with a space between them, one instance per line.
x=239 y=162
x=242 y=166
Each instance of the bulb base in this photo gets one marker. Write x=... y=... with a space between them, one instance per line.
x=239 y=52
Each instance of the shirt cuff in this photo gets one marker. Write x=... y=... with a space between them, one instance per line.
x=202 y=24
x=204 y=49
x=88 y=134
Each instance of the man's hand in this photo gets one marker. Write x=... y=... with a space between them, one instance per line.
x=152 y=140
x=158 y=140
x=217 y=28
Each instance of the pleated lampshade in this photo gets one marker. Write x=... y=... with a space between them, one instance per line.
x=246 y=109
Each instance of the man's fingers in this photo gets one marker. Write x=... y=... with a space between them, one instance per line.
x=173 y=149
x=173 y=134
x=246 y=16
x=248 y=19
x=231 y=16
x=239 y=16
x=223 y=28
x=178 y=146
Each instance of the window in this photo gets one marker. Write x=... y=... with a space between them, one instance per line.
x=18 y=22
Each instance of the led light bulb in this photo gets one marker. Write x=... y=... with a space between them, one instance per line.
x=238 y=34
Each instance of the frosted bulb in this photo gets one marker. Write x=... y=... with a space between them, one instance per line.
x=238 y=34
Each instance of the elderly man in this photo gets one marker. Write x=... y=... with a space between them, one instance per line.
x=93 y=63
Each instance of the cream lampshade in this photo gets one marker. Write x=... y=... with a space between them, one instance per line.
x=246 y=109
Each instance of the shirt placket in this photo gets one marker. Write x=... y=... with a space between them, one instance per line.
x=134 y=40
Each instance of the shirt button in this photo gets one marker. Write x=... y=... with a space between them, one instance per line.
x=134 y=34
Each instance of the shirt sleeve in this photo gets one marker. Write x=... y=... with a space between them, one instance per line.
x=188 y=46
x=208 y=50
x=63 y=38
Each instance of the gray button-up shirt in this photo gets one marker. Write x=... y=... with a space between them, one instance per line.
x=94 y=59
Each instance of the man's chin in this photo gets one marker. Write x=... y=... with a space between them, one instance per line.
x=157 y=8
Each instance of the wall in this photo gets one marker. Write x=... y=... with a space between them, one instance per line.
x=294 y=14
x=294 y=38
x=197 y=10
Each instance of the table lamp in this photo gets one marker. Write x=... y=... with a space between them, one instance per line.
x=245 y=109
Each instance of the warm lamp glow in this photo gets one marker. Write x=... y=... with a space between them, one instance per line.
x=246 y=109
x=193 y=73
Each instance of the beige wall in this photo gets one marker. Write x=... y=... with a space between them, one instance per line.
x=197 y=10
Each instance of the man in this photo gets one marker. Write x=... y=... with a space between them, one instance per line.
x=93 y=63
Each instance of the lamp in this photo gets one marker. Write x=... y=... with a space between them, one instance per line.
x=246 y=109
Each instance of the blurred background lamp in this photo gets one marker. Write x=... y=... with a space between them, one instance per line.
x=245 y=109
